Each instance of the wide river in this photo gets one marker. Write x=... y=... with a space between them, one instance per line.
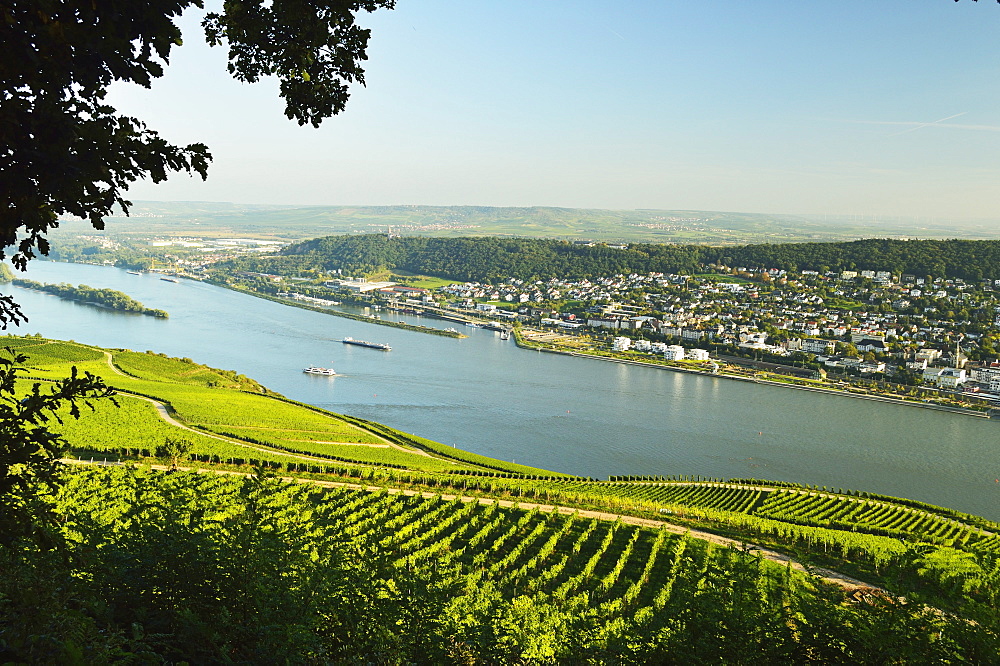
x=581 y=416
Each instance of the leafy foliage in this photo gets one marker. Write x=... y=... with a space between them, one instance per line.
x=29 y=449
x=205 y=568
x=67 y=152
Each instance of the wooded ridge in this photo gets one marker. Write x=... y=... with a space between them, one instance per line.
x=492 y=258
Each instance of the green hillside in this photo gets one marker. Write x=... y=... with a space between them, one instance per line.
x=402 y=550
x=227 y=416
x=490 y=259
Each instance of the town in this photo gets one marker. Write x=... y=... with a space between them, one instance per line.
x=868 y=323
x=838 y=326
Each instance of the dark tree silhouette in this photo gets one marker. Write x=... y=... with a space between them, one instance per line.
x=65 y=151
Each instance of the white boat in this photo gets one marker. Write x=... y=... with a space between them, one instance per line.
x=505 y=335
x=313 y=370
x=472 y=324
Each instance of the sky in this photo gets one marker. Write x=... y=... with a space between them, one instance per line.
x=882 y=110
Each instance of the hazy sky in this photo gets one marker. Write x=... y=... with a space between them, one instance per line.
x=888 y=108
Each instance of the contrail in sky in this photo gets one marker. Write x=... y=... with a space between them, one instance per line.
x=917 y=126
x=913 y=126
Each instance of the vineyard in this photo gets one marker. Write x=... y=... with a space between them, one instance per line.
x=233 y=420
x=183 y=371
x=445 y=581
x=402 y=575
x=227 y=416
x=838 y=511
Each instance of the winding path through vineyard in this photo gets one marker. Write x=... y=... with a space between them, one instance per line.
x=826 y=575
x=164 y=414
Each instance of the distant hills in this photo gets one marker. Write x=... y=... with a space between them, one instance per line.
x=489 y=259
x=649 y=226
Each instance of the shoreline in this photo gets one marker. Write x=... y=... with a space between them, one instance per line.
x=521 y=344
x=416 y=328
x=815 y=389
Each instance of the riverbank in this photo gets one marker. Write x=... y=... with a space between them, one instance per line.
x=340 y=313
x=109 y=299
x=525 y=344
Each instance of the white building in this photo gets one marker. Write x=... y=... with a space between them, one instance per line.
x=359 y=285
x=817 y=346
x=673 y=353
x=945 y=377
x=697 y=354
x=986 y=374
x=621 y=344
x=929 y=355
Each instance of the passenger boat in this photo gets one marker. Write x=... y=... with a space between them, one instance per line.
x=313 y=370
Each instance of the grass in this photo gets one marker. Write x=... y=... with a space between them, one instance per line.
x=158 y=367
x=867 y=526
x=420 y=281
x=219 y=402
x=721 y=277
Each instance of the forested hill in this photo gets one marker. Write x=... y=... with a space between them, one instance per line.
x=487 y=259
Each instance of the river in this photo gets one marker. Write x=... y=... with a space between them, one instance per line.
x=575 y=415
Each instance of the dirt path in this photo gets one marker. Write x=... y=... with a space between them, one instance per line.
x=826 y=575
x=165 y=415
x=383 y=443
x=111 y=364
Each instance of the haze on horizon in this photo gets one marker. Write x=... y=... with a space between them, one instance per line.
x=885 y=110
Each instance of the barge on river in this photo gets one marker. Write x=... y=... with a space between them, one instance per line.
x=381 y=346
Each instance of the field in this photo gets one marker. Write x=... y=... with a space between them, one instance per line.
x=425 y=578
x=230 y=424
x=431 y=553
x=419 y=281
x=208 y=219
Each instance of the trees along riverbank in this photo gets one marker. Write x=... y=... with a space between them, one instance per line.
x=106 y=298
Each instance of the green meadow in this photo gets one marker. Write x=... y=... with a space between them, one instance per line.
x=223 y=414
